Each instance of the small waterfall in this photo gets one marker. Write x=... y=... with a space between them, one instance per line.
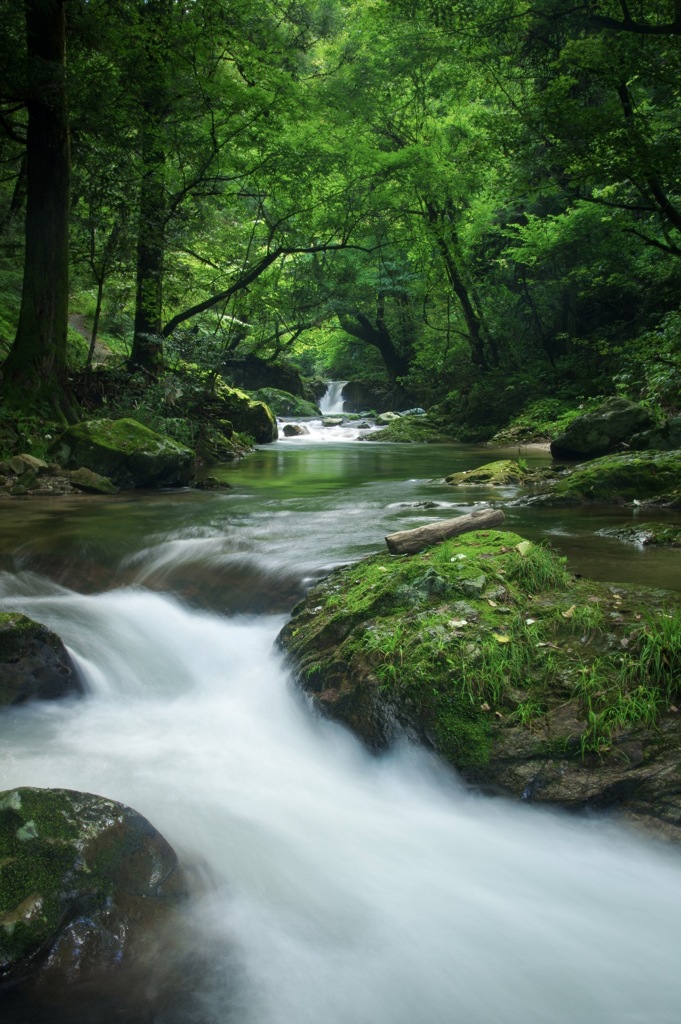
x=332 y=402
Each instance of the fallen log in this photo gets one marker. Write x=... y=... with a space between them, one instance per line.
x=408 y=542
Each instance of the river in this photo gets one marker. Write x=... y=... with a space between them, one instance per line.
x=338 y=887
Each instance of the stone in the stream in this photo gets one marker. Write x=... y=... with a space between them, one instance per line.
x=602 y=430
x=294 y=430
x=88 y=892
x=34 y=664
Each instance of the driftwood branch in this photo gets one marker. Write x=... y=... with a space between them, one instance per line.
x=408 y=542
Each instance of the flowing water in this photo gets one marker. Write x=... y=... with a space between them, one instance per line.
x=338 y=887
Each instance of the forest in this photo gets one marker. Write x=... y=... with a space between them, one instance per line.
x=474 y=207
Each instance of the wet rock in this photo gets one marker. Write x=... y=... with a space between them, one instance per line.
x=646 y=534
x=529 y=681
x=86 y=905
x=332 y=421
x=602 y=430
x=34 y=664
x=502 y=473
x=128 y=453
x=632 y=477
x=90 y=482
x=384 y=418
x=294 y=430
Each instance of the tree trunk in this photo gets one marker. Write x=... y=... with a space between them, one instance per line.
x=36 y=365
x=147 y=346
x=408 y=542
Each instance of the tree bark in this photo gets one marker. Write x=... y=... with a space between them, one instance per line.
x=408 y=542
x=37 y=362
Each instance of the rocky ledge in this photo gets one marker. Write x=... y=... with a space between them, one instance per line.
x=530 y=682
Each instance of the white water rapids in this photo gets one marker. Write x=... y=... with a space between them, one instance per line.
x=344 y=889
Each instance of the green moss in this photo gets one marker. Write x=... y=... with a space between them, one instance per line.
x=480 y=635
x=496 y=474
x=411 y=429
x=628 y=477
x=282 y=403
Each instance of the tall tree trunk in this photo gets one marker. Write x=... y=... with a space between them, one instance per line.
x=436 y=218
x=155 y=105
x=36 y=364
x=147 y=346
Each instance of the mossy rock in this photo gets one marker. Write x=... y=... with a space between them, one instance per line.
x=527 y=680
x=247 y=415
x=128 y=453
x=282 y=403
x=410 y=430
x=646 y=534
x=34 y=664
x=502 y=473
x=90 y=482
x=85 y=882
x=601 y=430
x=644 y=477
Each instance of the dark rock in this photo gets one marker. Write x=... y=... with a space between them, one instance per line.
x=128 y=453
x=93 y=483
x=34 y=664
x=284 y=404
x=631 y=477
x=666 y=437
x=254 y=373
x=294 y=430
x=602 y=430
x=88 y=888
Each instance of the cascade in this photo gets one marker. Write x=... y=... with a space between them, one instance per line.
x=336 y=886
x=332 y=402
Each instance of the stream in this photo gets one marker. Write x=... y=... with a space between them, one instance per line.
x=337 y=887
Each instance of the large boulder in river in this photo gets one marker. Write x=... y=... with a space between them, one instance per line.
x=282 y=403
x=529 y=681
x=34 y=664
x=652 y=478
x=88 y=884
x=502 y=473
x=602 y=430
x=128 y=453
x=664 y=437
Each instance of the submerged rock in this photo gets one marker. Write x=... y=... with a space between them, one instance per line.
x=128 y=453
x=87 y=887
x=529 y=681
x=646 y=534
x=34 y=664
x=602 y=430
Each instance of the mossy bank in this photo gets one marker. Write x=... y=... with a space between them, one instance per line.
x=527 y=680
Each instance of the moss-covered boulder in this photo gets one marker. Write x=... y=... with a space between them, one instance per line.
x=502 y=473
x=664 y=437
x=646 y=534
x=90 y=482
x=410 y=430
x=128 y=453
x=34 y=664
x=527 y=680
x=86 y=885
x=601 y=430
x=282 y=403
x=643 y=477
x=247 y=415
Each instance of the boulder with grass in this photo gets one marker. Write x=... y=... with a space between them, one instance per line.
x=503 y=473
x=602 y=430
x=126 y=452
x=637 y=478
x=282 y=403
x=527 y=680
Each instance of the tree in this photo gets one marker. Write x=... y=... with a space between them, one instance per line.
x=36 y=369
